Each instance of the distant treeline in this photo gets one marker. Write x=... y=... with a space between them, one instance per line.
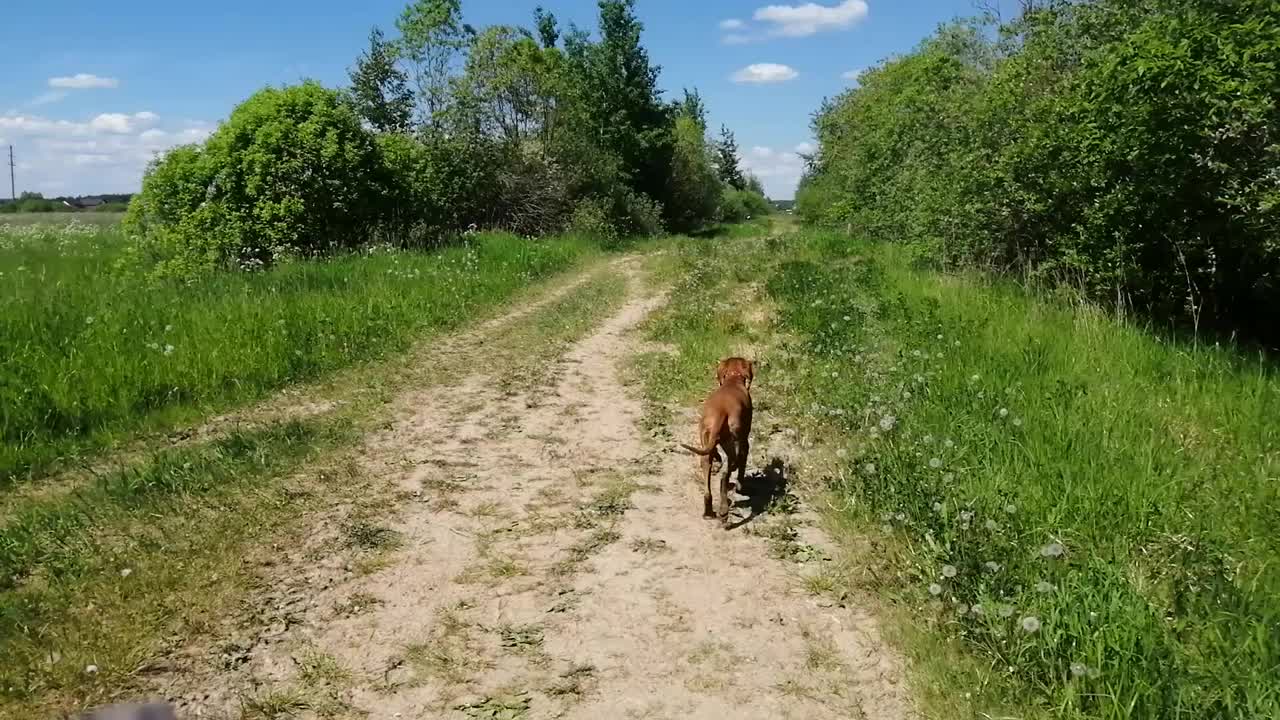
x=29 y=202
x=446 y=127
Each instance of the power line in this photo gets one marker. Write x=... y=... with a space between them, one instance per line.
x=13 y=187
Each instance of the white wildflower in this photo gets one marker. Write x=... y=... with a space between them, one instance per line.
x=91 y=670
x=126 y=572
x=168 y=349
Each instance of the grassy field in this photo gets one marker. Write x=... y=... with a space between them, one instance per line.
x=1088 y=513
x=93 y=352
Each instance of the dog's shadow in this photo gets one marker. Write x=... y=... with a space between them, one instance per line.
x=763 y=489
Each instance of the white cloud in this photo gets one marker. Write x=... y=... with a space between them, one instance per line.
x=83 y=81
x=779 y=170
x=806 y=148
x=104 y=153
x=120 y=123
x=732 y=24
x=735 y=39
x=764 y=74
x=812 y=18
x=52 y=96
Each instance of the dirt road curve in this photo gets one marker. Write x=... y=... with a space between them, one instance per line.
x=554 y=564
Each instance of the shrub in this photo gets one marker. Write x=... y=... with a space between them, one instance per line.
x=291 y=170
x=742 y=205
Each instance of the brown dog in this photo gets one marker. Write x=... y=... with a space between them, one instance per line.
x=726 y=423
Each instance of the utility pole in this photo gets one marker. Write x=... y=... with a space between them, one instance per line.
x=13 y=188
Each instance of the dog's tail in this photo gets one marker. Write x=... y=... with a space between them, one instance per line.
x=699 y=451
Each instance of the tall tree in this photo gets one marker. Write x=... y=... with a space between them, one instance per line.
x=379 y=89
x=727 y=162
x=694 y=108
x=432 y=40
x=548 y=29
x=621 y=88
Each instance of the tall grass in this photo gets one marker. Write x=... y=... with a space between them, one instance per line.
x=1092 y=510
x=91 y=349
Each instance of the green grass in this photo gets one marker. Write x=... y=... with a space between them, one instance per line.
x=93 y=352
x=1106 y=497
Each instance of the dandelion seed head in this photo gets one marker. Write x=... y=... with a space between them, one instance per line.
x=888 y=422
x=935 y=589
x=168 y=349
x=1004 y=412
x=966 y=515
x=869 y=468
x=949 y=571
x=1053 y=550
x=1044 y=587
x=126 y=572
x=88 y=320
x=1079 y=669
x=1017 y=422
x=949 y=443
x=1031 y=624
x=937 y=507
x=1005 y=611
x=935 y=463
x=886 y=529
x=948 y=477
x=991 y=525
x=841 y=453
x=900 y=517
x=962 y=609
x=1011 y=508
x=168 y=328
x=991 y=565
x=977 y=610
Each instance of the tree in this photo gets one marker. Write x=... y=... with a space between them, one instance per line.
x=432 y=39
x=693 y=107
x=693 y=190
x=548 y=30
x=379 y=89
x=727 y=162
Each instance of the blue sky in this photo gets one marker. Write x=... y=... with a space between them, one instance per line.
x=98 y=89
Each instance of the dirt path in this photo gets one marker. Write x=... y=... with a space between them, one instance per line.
x=553 y=563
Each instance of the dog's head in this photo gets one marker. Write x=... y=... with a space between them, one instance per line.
x=735 y=367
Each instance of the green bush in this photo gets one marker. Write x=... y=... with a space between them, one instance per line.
x=1126 y=147
x=290 y=171
x=741 y=205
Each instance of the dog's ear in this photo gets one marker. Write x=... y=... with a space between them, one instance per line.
x=720 y=373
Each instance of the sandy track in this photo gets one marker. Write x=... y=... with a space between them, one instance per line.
x=555 y=564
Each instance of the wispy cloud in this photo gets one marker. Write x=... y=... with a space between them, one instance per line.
x=735 y=39
x=765 y=74
x=812 y=18
x=83 y=81
x=732 y=24
x=47 y=98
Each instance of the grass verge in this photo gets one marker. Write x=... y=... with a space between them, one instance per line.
x=92 y=352
x=1081 y=515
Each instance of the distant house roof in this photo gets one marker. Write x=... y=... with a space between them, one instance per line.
x=88 y=202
